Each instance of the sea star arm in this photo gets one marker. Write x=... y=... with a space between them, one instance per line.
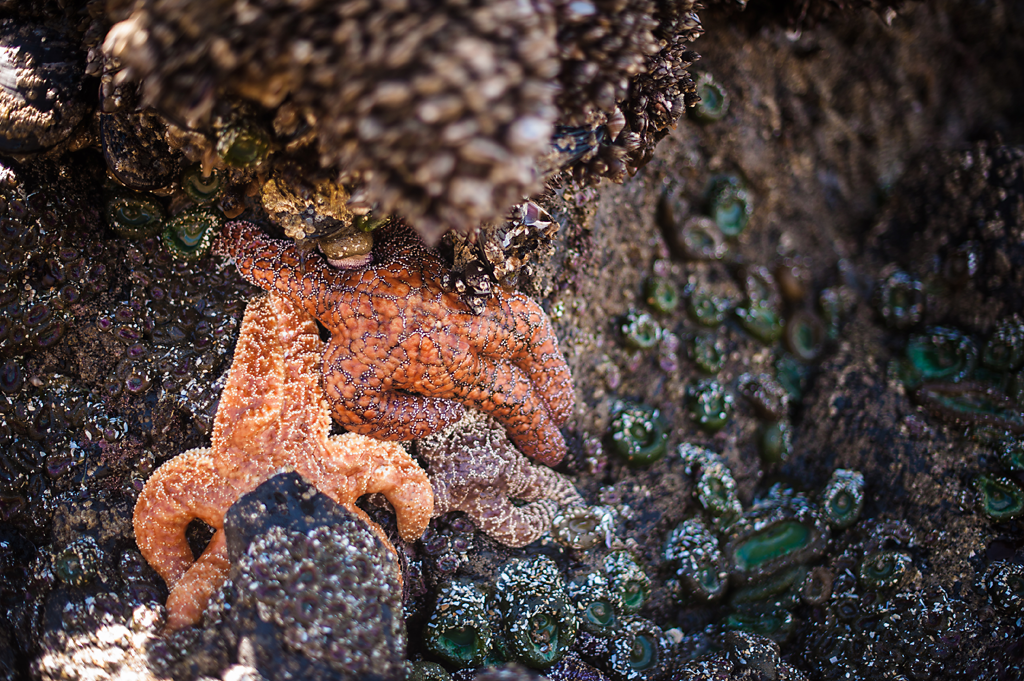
x=539 y=357
x=512 y=525
x=277 y=265
x=363 y=401
x=188 y=599
x=510 y=397
x=367 y=466
x=530 y=483
x=184 y=489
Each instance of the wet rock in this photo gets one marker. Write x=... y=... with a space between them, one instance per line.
x=318 y=595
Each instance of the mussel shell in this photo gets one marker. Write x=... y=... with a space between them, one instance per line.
x=41 y=87
x=135 y=150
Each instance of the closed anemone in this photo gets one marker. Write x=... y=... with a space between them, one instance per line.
x=640 y=331
x=630 y=583
x=729 y=204
x=639 y=434
x=595 y=603
x=661 y=295
x=708 y=353
x=134 y=215
x=243 y=144
x=776 y=441
x=714 y=100
x=1004 y=350
x=457 y=630
x=1001 y=497
x=539 y=620
x=760 y=321
x=716 y=490
x=201 y=188
x=638 y=651
x=901 y=300
x=843 y=498
x=710 y=404
x=942 y=354
x=706 y=308
x=883 y=569
x=188 y=236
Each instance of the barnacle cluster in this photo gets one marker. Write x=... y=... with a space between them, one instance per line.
x=437 y=112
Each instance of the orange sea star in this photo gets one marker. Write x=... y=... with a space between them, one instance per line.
x=405 y=355
x=272 y=415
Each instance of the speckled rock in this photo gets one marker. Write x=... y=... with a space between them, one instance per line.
x=318 y=595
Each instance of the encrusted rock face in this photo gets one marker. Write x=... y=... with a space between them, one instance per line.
x=442 y=108
x=956 y=224
x=316 y=594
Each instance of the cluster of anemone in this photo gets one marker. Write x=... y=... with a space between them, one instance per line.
x=173 y=332
x=531 y=615
x=755 y=555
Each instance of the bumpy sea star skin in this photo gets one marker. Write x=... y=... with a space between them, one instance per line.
x=475 y=469
x=272 y=414
x=404 y=353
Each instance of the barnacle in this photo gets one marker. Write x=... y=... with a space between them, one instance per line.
x=441 y=121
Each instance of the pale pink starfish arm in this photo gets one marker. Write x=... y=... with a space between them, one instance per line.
x=512 y=525
x=537 y=482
